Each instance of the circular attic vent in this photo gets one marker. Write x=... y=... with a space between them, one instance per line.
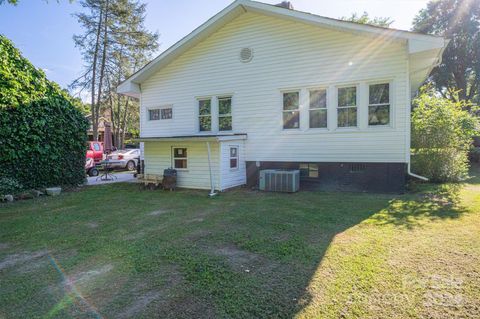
x=246 y=55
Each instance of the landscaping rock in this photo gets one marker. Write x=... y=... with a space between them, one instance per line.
x=53 y=191
x=8 y=198
x=37 y=193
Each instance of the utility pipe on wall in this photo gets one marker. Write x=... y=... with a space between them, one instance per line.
x=212 y=186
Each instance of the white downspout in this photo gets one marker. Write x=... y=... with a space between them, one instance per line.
x=408 y=124
x=212 y=186
x=423 y=178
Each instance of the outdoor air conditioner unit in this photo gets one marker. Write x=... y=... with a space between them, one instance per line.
x=276 y=180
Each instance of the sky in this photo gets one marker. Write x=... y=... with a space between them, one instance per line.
x=43 y=30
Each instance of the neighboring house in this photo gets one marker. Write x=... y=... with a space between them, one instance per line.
x=101 y=126
x=105 y=117
x=270 y=87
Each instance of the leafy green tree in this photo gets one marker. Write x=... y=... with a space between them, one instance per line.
x=14 y=2
x=442 y=132
x=459 y=21
x=42 y=133
x=384 y=22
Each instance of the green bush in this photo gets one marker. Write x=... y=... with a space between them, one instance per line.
x=442 y=135
x=9 y=186
x=42 y=134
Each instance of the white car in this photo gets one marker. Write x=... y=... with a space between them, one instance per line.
x=127 y=159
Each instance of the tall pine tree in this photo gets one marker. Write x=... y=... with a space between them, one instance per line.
x=114 y=44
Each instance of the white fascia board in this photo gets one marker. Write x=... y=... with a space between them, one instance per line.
x=306 y=17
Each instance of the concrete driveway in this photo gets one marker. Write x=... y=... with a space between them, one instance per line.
x=122 y=177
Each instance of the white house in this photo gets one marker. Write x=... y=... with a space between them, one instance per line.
x=265 y=86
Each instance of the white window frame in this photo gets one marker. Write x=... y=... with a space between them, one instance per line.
x=318 y=108
x=236 y=157
x=208 y=98
x=179 y=158
x=299 y=92
x=160 y=108
x=357 y=92
x=390 y=104
x=224 y=97
x=151 y=110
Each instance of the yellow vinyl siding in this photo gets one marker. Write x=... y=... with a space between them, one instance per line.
x=158 y=156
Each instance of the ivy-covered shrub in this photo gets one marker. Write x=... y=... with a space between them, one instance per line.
x=442 y=135
x=9 y=186
x=42 y=134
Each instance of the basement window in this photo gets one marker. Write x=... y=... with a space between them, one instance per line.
x=358 y=167
x=309 y=170
x=291 y=110
x=180 y=158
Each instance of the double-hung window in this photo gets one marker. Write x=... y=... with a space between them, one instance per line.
x=347 y=107
x=379 y=104
x=180 y=158
x=233 y=157
x=205 y=115
x=318 y=108
x=291 y=110
x=225 y=114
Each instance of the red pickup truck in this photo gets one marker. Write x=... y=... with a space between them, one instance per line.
x=95 y=151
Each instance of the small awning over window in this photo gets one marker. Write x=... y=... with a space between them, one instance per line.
x=195 y=138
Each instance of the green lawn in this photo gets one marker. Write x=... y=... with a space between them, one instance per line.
x=116 y=251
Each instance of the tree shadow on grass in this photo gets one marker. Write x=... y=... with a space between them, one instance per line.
x=259 y=260
x=427 y=203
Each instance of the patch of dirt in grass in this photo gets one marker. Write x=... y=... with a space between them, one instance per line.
x=198 y=234
x=196 y=220
x=86 y=276
x=140 y=303
x=62 y=209
x=4 y=246
x=92 y=225
x=158 y=212
x=244 y=261
x=188 y=307
x=135 y=236
x=16 y=259
x=144 y=300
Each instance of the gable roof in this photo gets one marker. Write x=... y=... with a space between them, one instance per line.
x=427 y=48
